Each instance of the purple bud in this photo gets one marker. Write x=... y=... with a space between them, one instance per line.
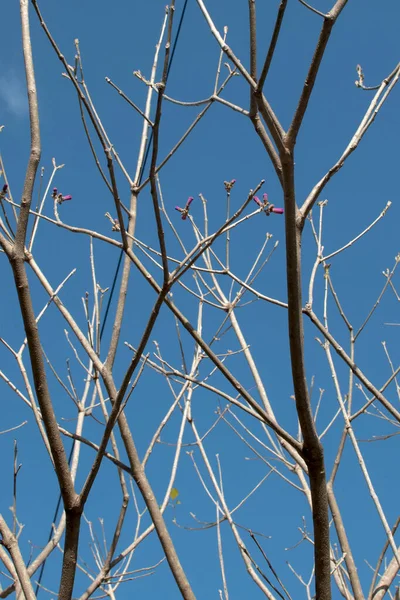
x=277 y=211
x=265 y=198
x=55 y=191
x=257 y=200
x=179 y=208
x=64 y=198
x=189 y=202
x=5 y=188
x=233 y=181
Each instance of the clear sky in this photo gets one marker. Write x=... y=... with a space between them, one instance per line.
x=115 y=40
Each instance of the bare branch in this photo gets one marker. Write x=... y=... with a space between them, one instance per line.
x=329 y=21
x=35 y=149
x=11 y=543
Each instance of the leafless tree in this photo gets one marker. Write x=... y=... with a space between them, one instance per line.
x=214 y=384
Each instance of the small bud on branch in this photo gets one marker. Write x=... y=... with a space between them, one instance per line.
x=266 y=206
x=185 y=211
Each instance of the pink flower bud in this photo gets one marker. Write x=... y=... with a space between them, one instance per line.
x=257 y=200
x=278 y=211
x=229 y=185
x=64 y=198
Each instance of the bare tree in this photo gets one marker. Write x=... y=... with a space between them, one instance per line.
x=152 y=418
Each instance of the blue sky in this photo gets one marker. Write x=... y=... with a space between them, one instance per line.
x=115 y=41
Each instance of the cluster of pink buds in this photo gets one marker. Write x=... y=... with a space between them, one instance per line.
x=59 y=197
x=185 y=211
x=3 y=191
x=266 y=206
x=229 y=185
